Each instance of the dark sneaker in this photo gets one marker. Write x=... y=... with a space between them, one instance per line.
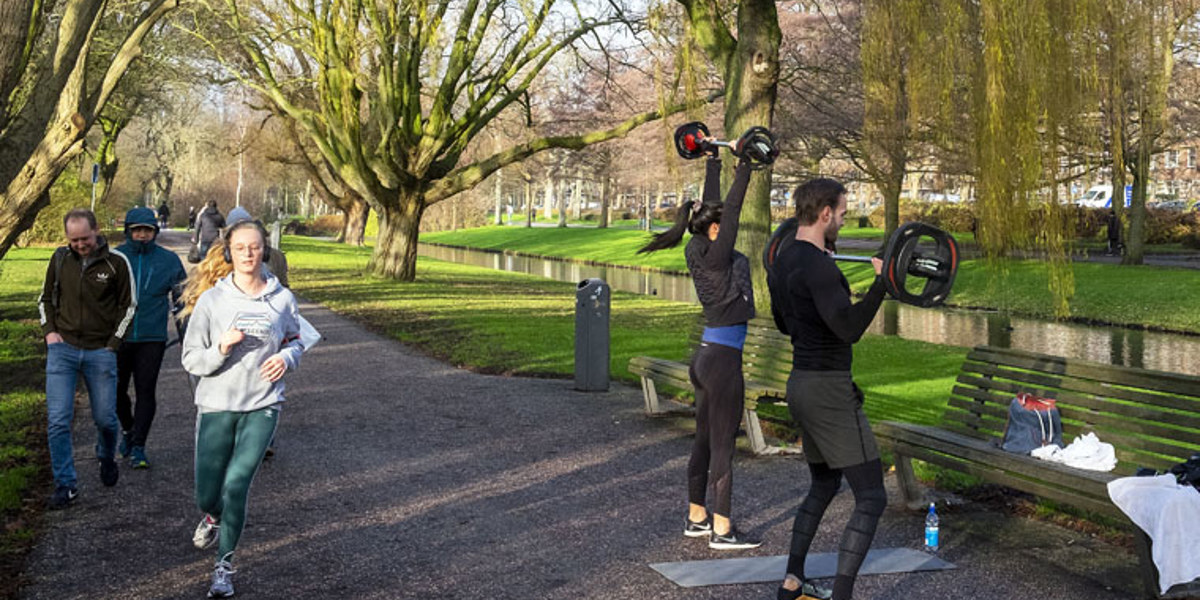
x=694 y=529
x=126 y=444
x=734 y=540
x=109 y=473
x=222 y=581
x=63 y=496
x=807 y=591
x=137 y=458
x=207 y=533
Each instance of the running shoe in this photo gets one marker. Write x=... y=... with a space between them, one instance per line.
x=207 y=533
x=109 y=473
x=734 y=540
x=126 y=444
x=807 y=591
x=222 y=583
x=63 y=496
x=697 y=529
x=137 y=458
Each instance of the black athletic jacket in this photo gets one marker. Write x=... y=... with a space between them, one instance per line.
x=90 y=305
x=720 y=273
x=811 y=302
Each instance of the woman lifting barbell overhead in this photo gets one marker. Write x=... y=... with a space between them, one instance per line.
x=722 y=279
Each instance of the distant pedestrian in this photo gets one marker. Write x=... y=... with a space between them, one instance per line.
x=158 y=274
x=86 y=305
x=191 y=218
x=164 y=215
x=209 y=223
x=1114 y=234
x=243 y=336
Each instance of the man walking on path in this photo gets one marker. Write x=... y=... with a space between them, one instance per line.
x=164 y=215
x=157 y=273
x=1114 y=234
x=86 y=305
x=209 y=223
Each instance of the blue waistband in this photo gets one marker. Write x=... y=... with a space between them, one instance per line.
x=733 y=336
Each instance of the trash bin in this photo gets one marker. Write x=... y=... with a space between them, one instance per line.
x=592 y=298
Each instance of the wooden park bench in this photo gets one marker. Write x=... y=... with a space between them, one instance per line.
x=766 y=363
x=1151 y=418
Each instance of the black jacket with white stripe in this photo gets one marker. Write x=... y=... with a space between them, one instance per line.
x=88 y=302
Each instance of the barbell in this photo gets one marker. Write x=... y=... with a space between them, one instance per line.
x=902 y=257
x=757 y=144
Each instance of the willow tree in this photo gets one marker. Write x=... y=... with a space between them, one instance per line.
x=403 y=89
x=52 y=87
x=747 y=61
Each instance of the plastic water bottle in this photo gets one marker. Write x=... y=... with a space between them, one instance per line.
x=931 y=529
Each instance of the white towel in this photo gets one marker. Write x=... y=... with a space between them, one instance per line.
x=1167 y=512
x=1086 y=452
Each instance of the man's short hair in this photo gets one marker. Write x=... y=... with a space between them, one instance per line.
x=812 y=196
x=81 y=213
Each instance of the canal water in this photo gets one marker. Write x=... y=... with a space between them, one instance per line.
x=1114 y=345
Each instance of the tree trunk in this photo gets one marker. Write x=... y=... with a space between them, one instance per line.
x=751 y=86
x=529 y=212
x=562 y=202
x=355 y=212
x=604 y=190
x=1135 y=242
x=499 y=198
x=577 y=199
x=395 y=253
x=548 y=208
x=889 y=186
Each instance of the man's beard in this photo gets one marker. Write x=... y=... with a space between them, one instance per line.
x=831 y=234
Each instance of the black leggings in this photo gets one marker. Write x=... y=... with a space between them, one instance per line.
x=142 y=361
x=870 y=498
x=716 y=372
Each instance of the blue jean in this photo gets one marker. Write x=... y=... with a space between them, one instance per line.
x=64 y=363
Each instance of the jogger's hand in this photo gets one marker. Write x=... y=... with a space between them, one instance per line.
x=273 y=369
x=231 y=338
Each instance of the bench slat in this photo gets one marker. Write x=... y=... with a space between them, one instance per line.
x=1173 y=383
x=1096 y=389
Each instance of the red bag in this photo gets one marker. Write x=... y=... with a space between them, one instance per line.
x=1031 y=402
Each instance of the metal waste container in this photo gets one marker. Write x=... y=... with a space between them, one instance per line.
x=592 y=298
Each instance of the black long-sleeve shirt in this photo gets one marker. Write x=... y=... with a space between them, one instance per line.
x=720 y=273
x=813 y=307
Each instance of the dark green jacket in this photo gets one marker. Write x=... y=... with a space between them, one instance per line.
x=90 y=307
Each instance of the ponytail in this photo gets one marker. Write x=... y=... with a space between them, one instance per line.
x=685 y=220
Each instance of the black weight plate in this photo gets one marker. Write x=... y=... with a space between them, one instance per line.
x=901 y=259
x=689 y=149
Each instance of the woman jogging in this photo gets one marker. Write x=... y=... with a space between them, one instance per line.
x=722 y=279
x=242 y=336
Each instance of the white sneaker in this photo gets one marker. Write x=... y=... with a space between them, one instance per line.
x=207 y=533
x=222 y=583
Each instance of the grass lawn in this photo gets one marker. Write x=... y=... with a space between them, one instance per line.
x=24 y=461
x=1158 y=297
x=500 y=322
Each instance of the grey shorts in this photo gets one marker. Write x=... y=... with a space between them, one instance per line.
x=827 y=406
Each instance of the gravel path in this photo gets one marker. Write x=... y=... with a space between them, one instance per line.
x=399 y=476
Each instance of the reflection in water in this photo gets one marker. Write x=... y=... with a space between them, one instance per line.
x=1114 y=345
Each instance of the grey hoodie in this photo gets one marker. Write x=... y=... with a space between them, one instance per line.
x=271 y=323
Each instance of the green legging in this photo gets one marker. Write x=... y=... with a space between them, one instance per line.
x=229 y=449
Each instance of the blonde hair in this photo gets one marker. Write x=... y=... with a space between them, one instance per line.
x=208 y=273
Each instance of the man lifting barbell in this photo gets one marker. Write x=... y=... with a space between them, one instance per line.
x=810 y=301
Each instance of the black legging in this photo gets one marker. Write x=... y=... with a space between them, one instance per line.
x=716 y=373
x=870 y=498
x=141 y=361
